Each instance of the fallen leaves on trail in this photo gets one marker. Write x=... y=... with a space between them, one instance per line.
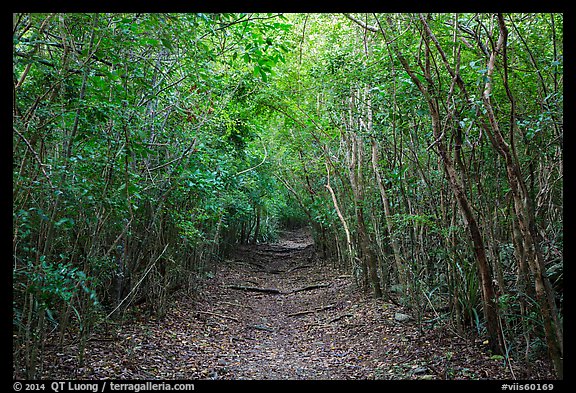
x=318 y=325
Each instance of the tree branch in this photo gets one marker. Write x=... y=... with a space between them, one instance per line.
x=42 y=165
x=364 y=25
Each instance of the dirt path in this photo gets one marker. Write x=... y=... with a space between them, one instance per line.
x=273 y=311
x=283 y=335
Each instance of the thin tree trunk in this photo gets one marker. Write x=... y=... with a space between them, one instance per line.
x=258 y=210
x=340 y=216
x=369 y=257
x=488 y=296
x=524 y=212
x=388 y=216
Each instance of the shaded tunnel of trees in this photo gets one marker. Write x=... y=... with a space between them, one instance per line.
x=425 y=152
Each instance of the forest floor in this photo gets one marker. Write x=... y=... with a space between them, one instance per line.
x=275 y=311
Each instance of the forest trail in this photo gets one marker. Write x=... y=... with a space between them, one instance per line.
x=273 y=311
x=291 y=309
x=425 y=148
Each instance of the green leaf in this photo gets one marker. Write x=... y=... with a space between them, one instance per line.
x=167 y=43
x=63 y=221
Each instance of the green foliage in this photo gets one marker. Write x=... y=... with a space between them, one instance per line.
x=469 y=290
x=60 y=282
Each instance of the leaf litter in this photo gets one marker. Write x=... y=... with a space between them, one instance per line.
x=316 y=324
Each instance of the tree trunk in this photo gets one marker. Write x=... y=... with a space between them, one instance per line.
x=340 y=216
x=355 y=173
x=393 y=241
x=258 y=211
x=524 y=212
x=488 y=296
